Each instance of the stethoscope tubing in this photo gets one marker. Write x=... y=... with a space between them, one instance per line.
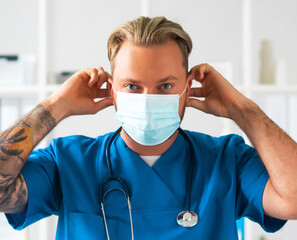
x=125 y=189
x=107 y=152
x=112 y=177
x=190 y=178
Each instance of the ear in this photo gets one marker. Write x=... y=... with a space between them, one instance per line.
x=110 y=90
x=189 y=85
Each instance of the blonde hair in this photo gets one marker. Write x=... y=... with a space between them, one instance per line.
x=145 y=31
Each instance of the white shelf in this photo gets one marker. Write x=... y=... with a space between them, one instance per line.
x=52 y=87
x=20 y=90
x=268 y=88
x=26 y=90
x=273 y=89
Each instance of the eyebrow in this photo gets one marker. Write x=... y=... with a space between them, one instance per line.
x=131 y=80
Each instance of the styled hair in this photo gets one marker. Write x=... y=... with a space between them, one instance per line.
x=147 y=32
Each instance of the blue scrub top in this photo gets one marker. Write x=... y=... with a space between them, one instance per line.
x=227 y=184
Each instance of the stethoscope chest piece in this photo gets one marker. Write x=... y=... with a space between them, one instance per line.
x=187 y=219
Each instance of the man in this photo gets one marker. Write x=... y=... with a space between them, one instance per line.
x=150 y=87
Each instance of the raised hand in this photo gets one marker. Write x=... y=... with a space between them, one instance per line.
x=76 y=96
x=219 y=95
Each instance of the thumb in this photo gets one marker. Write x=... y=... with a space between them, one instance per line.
x=104 y=103
x=198 y=104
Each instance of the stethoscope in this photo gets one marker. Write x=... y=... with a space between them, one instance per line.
x=186 y=218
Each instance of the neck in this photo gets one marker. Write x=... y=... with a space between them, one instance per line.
x=148 y=150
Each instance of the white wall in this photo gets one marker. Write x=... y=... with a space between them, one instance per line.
x=276 y=21
x=214 y=26
x=78 y=31
x=18 y=26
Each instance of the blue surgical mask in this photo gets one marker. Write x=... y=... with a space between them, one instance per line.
x=149 y=119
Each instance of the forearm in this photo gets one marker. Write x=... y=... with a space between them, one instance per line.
x=17 y=142
x=276 y=149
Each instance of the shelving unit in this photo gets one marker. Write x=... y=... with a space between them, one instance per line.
x=267 y=89
x=28 y=90
x=19 y=91
x=42 y=89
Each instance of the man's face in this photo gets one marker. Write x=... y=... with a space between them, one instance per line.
x=150 y=70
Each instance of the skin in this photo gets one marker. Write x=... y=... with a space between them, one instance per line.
x=150 y=70
x=148 y=65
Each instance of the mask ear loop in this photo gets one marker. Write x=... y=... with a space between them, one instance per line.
x=183 y=91
x=114 y=89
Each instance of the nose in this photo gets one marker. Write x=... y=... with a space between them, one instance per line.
x=148 y=91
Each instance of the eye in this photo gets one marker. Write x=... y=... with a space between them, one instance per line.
x=131 y=86
x=166 y=86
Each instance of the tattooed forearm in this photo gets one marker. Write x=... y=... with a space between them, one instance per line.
x=16 y=144
x=6 y=179
x=3 y=157
x=46 y=122
x=21 y=138
x=14 y=198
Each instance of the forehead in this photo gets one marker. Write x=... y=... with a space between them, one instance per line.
x=148 y=62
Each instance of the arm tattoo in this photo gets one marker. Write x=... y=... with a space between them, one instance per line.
x=14 y=198
x=9 y=137
x=45 y=119
x=16 y=144
x=6 y=179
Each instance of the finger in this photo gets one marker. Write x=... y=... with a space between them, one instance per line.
x=104 y=103
x=102 y=93
x=198 y=72
x=93 y=73
x=102 y=77
x=195 y=75
x=197 y=92
x=108 y=75
x=195 y=103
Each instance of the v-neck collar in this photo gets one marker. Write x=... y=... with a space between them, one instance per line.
x=163 y=185
x=165 y=157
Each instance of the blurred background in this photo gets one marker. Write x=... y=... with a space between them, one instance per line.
x=252 y=43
